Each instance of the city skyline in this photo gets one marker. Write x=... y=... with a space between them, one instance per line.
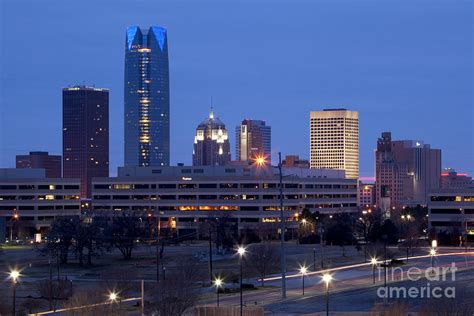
x=402 y=116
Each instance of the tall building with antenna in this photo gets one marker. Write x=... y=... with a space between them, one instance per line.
x=146 y=97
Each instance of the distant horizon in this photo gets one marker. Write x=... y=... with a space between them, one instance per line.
x=413 y=79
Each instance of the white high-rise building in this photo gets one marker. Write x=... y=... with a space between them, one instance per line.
x=334 y=140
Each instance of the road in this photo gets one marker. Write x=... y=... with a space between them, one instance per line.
x=352 y=288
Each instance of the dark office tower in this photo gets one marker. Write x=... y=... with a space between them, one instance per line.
x=406 y=171
x=41 y=159
x=211 y=143
x=147 y=97
x=253 y=139
x=85 y=135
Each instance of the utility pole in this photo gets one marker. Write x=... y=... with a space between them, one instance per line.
x=210 y=252
x=282 y=233
x=143 y=298
x=50 y=283
x=158 y=249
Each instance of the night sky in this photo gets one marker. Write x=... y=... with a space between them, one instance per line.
x=405 y=65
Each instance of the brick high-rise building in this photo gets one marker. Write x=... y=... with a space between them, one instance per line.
x=334 y=140
x=42 y=160
x=253 y=139
x=85 y=135
x=294 y=161
x=405 y=172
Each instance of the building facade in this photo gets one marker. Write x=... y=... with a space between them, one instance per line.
x=294 y=161
x=253 y=140
x=147 y=97
x=405 y=172
x=450 y=179
x=211 y=143
x=452 y=211
x=29 y=202
x=41 y=159
x=334 y=140
x=366 y=195
x=184 y=196
x=85 y=134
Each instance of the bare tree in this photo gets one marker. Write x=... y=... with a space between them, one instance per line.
x=54 y=291
x=179 y=292
x=122 y=233
x=263 y=258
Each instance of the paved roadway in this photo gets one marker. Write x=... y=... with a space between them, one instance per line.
x=352 y=287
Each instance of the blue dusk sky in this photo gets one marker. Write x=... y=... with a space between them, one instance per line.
x=405 y=65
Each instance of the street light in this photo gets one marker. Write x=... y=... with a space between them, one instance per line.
x=327 y=279
x=14 y=275
x=260 y=161
x=303 y=271
x=113 y=297
x=241 y=252
x=314 y=259
x=373 y=261
x=218 y=283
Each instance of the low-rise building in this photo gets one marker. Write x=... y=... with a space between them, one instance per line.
x=366 y=195
x=184 y=196
x=452 y=211
x=42 y=160
x=450 y=179
x=294 y=161
x=29 y=202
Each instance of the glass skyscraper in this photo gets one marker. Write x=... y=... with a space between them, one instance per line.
x=147 y=97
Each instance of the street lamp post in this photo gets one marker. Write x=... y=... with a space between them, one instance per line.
x=303 y=271
x=314 y=259
x=327 y=279
x=384 y=237
x=282 y=233
x=432 y=254
x=260 y=161
x=14 y=275
x=113 y=298
x=241 y=252
x=218 y=284
x=374 y=263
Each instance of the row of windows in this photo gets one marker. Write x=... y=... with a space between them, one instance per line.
x=220 y=186
x=13 y=208
x=50 y=187
x=47 y=197
x=453 y=198
x=152 y=208
x=222 y=197
x=451 y=211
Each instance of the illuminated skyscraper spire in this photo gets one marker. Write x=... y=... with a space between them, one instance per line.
x=211 y=143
